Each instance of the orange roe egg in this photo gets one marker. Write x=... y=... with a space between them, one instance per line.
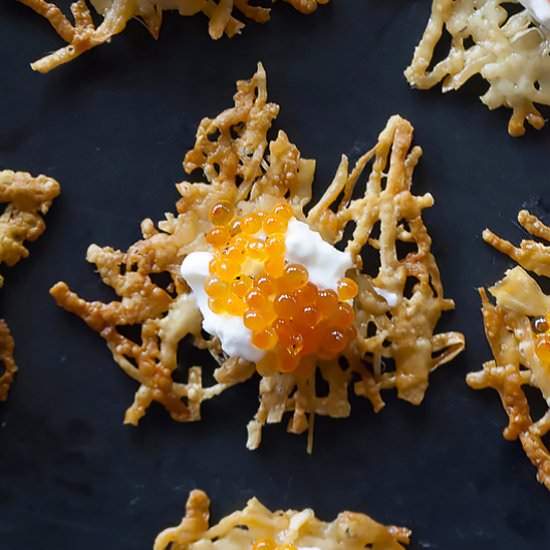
x=216 y=288
x=257 y=300
x=240 y=242
x=254 y=320
x=241 y=286
x=350 y=334
x=285 y=306
x=275 y=267
x=235 y=306
x=213 y=266
x=269 y=364
x=295 y=276
x=233 y=254
x=275 y=245
x=217 y=305
x=256 y=249
x=334 y=342
x=221 y=213
x=306 y=295
x=251 y=224
x=217 y=237
x=347 y=289
x=283 y=210
x=327 y=302
x=274 y=224
x=264 y=544
x=311 y=339
x=265 y=339
x=295 y=344
x=343 y=316
x=309 y=316
x=227 y=270
x=266 y=285
x=288 y=362
x=234 y=227
x=543 y=349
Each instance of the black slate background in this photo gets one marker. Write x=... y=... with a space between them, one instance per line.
x=113 y=127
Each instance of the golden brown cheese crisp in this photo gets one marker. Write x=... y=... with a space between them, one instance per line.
x=27 y=200
x=497 y=39
x=82 y=34
x=395 y=346
x=257 y=527
x=508 y=327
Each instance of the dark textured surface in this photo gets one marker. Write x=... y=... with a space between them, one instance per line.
x=113 y=127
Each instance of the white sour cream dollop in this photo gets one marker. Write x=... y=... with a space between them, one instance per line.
x=539 y=10
x=325 y=265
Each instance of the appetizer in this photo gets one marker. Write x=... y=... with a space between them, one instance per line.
x=27 y=200
x=504 y=41
x=517 y=327
x=271 y=288
x=257 y=528
x=83 y=34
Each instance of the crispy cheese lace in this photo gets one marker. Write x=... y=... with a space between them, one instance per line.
x=493 y=39
x=82 y=34
x=394 y=346
x=27 y=200
x=257 y=528
x=518 y=342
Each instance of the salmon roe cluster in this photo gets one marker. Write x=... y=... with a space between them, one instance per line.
x=541 y=327
x=270 y=544
x=290 y=317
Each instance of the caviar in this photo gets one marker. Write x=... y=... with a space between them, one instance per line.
x=289 y=317
x=541 y=328
x=270 y=544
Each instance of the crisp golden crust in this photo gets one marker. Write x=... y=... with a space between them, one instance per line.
x=241 y=166
x=491 y=38
x=83 y=34
x=6 y=358
x=241 y=529
x=27 y=200
x=513 y=342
